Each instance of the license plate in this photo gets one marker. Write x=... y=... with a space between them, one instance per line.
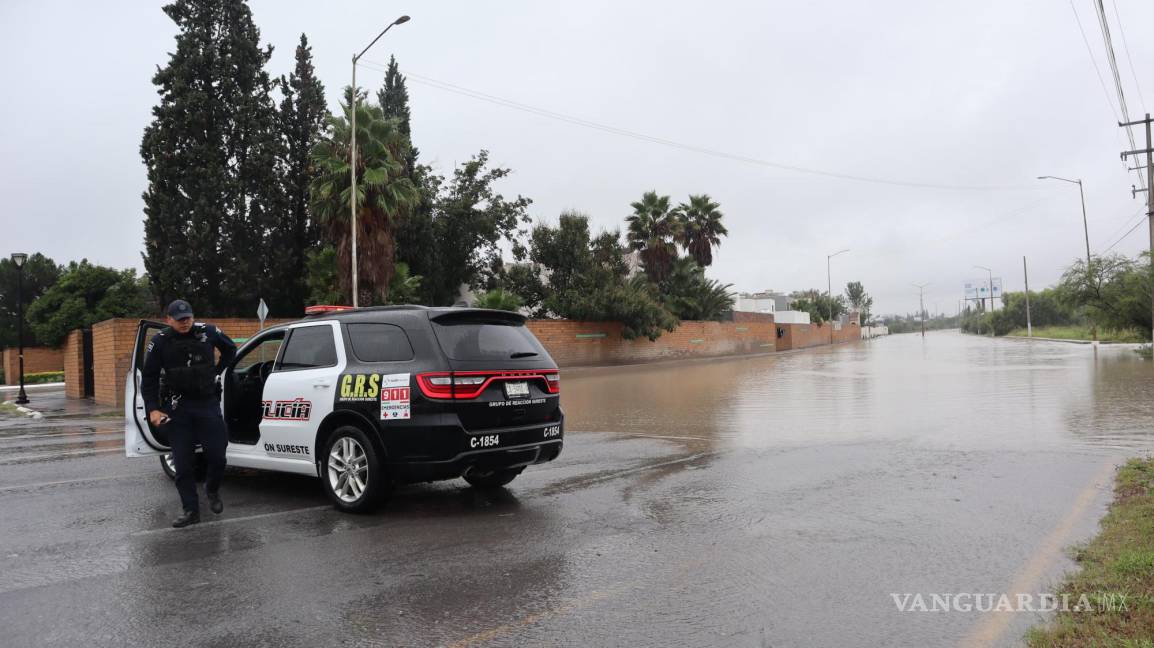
x=516 y=390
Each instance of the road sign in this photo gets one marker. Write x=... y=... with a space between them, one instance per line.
x=980 y=288
x=262 y=313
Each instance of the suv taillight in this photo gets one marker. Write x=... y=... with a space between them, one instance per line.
x=467 y=385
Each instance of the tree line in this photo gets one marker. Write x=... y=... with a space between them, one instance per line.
x=249 y=197
x=1112 y=292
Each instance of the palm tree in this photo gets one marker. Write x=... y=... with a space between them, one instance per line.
x=654 y=231
x=701 y=228
x=384 y=194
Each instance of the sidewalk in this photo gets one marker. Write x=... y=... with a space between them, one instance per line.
x=50 y=401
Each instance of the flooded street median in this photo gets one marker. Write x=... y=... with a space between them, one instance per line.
x=797 y=499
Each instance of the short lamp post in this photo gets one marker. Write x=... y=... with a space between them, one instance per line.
x=18 y=259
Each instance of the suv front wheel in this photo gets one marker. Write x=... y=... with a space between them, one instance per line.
x=353 y=476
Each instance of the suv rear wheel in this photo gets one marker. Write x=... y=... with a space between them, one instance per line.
x=490 y=479
x=353 y=476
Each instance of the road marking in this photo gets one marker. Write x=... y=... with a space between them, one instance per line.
x=54 y=435
x=233 y=520
x=54 y=455
x=662 y=436
x=530 y=619
x=993 y=625
x=72 y=481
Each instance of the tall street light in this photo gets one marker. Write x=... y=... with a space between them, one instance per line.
x=18 y=259
x=991 y=286
x=1086 y=231
x=829 y=290
x=353 y=149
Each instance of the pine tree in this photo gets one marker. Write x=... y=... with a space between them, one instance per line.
x=394 y=100
x=213 y=152
x=416 y=240
x=303 y=114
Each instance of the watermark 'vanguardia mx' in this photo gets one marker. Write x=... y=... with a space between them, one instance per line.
x=987 y=602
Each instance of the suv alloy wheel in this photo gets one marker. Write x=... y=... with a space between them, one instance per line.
x=352 y=473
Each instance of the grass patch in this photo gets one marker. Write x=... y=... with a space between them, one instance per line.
x=1146 y=352
x=1081 y=333
x=1118 y=561
x=43 y=377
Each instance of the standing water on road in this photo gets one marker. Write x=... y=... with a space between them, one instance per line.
x=781 y=500
x=947 y=390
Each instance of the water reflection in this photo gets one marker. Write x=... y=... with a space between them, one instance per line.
x=948 y=390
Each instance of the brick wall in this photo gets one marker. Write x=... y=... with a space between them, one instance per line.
x=570 y=343
x=36 y=360
x=600 y=343
x=802 y=336
x=112 y=342
x=74 y=365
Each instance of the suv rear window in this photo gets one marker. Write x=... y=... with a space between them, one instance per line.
x=379 y=343
x=473 y=340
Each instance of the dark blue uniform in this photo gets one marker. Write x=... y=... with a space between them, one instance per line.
x=191 y=399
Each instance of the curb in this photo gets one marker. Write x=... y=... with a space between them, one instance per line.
x=30 y=413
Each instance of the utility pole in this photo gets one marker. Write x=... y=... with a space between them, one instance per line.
x=1026 y=276
x=1149 y=151
x=922 y=305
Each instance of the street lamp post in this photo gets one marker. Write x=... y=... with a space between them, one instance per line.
x=18 y=259
x=353 y=149
x=991 y=286
x=1086 y=231
x=829 y=290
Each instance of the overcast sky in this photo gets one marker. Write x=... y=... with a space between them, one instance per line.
x=983 y=93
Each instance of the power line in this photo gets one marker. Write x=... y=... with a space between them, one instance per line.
x=1132 y=230
x=1094 y=62
x=1126 y=48
x=1126 y=222
x=1112 y=61
x=578 y=121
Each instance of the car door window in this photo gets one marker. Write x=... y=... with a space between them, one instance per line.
x=309 y=347
x=379 y=343
x=265 y=351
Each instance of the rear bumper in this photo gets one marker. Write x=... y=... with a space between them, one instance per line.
x=515 y=456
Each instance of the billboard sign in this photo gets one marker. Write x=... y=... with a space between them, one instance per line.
x=980 y=288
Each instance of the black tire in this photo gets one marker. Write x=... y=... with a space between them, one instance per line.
x=491 y=479
x=345 y=493
x=167 y=466
x=170 y=470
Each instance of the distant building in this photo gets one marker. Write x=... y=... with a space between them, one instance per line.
x=766 y=301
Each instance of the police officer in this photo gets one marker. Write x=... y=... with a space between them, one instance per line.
x=189 y=409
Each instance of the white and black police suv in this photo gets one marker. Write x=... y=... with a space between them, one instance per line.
x=367 y=398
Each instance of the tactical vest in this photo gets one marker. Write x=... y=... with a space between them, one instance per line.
x=190 y=369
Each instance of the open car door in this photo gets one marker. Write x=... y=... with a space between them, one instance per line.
x=141 y=438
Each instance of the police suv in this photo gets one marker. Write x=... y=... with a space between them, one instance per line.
x=367 y=398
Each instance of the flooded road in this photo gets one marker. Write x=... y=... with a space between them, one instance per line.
x=782 y=500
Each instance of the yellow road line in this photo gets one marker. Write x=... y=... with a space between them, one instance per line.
x=993 y=625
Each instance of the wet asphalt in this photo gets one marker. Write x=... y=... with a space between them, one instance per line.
x=772 y=501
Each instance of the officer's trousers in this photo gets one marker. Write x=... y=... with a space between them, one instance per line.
x=195 y=422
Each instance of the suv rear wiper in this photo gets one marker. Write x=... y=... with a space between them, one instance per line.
x=524 y=354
